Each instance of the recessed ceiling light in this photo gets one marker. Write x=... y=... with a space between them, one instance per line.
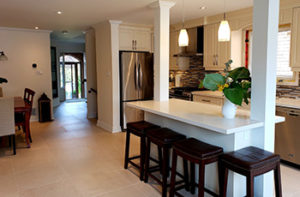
x=202 y=8
x=59 y=12
x=36 y=28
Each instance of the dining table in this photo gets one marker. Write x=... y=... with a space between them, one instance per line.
x=21 y=106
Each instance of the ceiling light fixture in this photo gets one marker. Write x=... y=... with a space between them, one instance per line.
x=183 y=39
x=36 y=28
x=3 y=57
x=224 y=29
x=202 y=8
x=59 y=12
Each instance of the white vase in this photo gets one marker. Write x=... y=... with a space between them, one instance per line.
x=228 y=109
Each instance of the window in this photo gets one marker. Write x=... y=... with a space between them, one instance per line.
x=283 y=55
x=285 y=76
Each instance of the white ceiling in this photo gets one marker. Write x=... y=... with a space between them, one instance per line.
x=80 y=14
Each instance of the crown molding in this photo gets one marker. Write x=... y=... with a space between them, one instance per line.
x=25 y=30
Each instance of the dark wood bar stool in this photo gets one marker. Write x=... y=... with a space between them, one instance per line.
x=139 y=129
x=250 y=162
x=163 y=138
x=196 y=152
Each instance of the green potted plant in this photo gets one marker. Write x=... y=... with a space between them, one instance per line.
x=2 y=80
x=235 y=85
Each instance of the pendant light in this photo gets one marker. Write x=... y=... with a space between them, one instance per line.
x=224 y=29
x=183 y=39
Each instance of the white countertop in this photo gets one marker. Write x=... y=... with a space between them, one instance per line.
x=202 y=115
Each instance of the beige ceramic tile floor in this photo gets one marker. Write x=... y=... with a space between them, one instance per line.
x=71 y=157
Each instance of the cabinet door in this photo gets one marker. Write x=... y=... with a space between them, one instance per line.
x=126 y=39
x=295 y=41
x=143 y=40
x=174 y=49
x=210 y=47
x=223 y=54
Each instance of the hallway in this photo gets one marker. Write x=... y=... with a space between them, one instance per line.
x=69 y=157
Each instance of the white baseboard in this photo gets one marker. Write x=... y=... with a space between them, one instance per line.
x=108 y=127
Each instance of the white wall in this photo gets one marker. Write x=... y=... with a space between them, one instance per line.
x=23 y=48
x=64 y=47
x=90 y=50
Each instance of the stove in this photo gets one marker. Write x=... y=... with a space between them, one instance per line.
x=184 y=93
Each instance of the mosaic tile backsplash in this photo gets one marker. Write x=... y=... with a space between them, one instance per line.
x=190 y=78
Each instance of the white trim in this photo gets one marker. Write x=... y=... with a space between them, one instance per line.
x=25 y=29
x=108 y=127
x=117 y=22
x=161 y=3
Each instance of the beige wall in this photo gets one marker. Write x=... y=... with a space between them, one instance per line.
x=90 y=51
x=23 y=48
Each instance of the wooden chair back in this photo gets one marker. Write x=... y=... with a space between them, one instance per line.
x=29 y=95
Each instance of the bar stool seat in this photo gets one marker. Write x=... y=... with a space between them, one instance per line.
x=139 y=129
x=250 y=162
x=196 y=148
x=163 y=138
x=249 y=158
x=197 y=152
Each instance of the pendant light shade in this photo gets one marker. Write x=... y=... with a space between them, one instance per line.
x=183 y=39
x=224 y=31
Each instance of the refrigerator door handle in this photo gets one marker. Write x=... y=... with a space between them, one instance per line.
x=136 y=76
x=140 y=77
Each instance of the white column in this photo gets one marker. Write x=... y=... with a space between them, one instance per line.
x=161 y=49
x=114 y=28
x=263 y=95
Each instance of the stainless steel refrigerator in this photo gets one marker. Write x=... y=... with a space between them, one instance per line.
x=136 y=83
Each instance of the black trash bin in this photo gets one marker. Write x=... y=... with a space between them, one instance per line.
x=44 y=108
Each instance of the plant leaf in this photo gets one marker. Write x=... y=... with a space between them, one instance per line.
x=239 y=73
x=235 y=95
x=211 y=81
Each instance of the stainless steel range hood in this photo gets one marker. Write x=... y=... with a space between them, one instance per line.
x=196 y=42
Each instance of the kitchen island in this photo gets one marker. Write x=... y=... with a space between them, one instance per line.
x=206 y=123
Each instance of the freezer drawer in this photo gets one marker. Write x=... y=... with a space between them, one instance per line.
x=287 y=135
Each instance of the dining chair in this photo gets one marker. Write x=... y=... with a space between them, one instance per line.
x=20 y=117
x=7 y=121
x=28 y=95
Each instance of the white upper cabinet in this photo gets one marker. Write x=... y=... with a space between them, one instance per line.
x=135 y=39
x=295 y=41
x=216 y=53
